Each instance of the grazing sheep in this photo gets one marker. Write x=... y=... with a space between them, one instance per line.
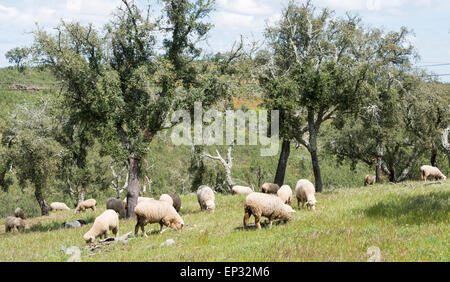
x=73 y=224
x=56 y=206
x=241 y=190
x=108 y=220
x=154 y=211
x=138 y=201
x=88 y=204
x=270 y=188
x=285 y=194
x=270 y=206
x=431 y=171
x=166 y=198
x=19 y=213
x=305 y=191
x=369 y=179
x=117 y=205
x=15 y=223
x=205 y=197
x=176 y=201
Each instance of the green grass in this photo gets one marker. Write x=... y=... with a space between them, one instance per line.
x=407 y=222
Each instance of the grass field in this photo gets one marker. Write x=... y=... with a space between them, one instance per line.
x=407 y=222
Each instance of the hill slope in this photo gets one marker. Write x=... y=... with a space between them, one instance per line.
x=407 y=222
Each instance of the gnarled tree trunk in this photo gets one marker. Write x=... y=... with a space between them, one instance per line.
x=133 y=185
x=379 y=162
x=41 y=201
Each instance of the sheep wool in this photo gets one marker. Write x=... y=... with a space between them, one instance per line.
x=108 y=220
x=305 y=193
x=285 y=194
x=166 y=198
x=270 y=206
x=19 y=213
x=369 y=179
x=155 y=211
x=270 y=188
x=88 y=204
x=138 y=201
x=205 y=197
x=12 y=222
x=431 y=171
x=116 y=205
x=56 y=206
x=241 y=190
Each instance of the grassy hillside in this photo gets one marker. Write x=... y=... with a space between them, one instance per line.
x=407 y=222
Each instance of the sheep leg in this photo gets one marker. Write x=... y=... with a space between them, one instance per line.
x=270 y=222
x=143 y=231
x=247 y=215
x=257 y=218
x=161 y=231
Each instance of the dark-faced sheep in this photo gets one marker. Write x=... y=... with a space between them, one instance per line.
x=176 y=201
x=116 y=205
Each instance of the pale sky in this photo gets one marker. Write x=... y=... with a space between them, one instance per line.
x=428 y=19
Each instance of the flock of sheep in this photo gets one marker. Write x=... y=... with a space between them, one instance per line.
x=273 y=203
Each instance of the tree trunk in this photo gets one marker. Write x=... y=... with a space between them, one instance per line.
x=433 y=161
x=379 y=162
x=133 y=185
x=41 y=201
x=282 y=162
x=316 y=170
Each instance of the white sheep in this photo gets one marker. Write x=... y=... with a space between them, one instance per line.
x=166 y=198
x=154 y=211
x=305 y=191
x=270 y=206
x=369 y=179
x=88 y=204
x=138 y=201
x=241 y=190
x=108 y=220
x=285 y=194
x=431 y=171
x=15 y=223
x=57 y=206
x=205 y=197
x=270 y=188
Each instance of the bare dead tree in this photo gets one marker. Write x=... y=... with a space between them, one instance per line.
x=116 y=183
x=227 y=164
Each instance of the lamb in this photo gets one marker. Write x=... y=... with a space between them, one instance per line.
x=432 y=171
x=205 y=197
x=117 y=205
x=270 y=188
x=19 y=213
x=155 y=211
x=73 y=224
x=241 y=190
x=305 y=191
x=285 y=194
x=176 y=201
x=369 y=179
x=88 y=204
x=15 y=223
x=56 y=206
x=108 y=220
x=270 y=206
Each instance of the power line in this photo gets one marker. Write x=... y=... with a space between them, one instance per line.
x=444 y=74
x=435 y=65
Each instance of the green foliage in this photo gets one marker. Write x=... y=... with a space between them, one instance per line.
x=18 y=57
